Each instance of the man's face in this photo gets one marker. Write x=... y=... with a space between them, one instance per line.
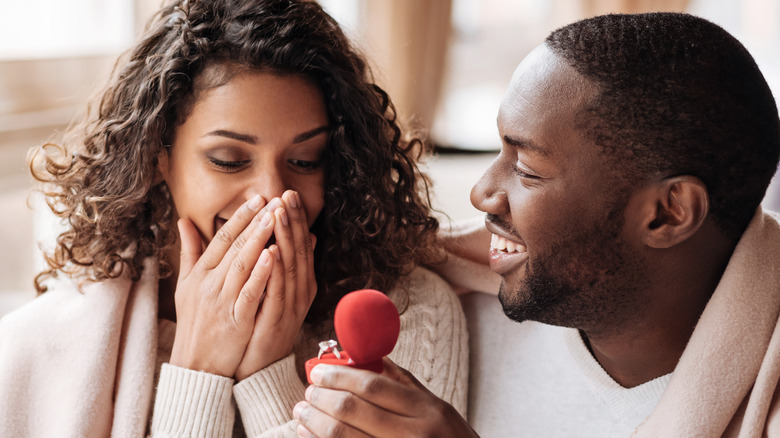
x=557 y=222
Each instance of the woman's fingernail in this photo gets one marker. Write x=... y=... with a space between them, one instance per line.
x=254 y=203
x=264 y=257
x=266 y=220
x=283 y=217
x=307 y=394
x=274 y=204
x=275 y=250
x=295 y=202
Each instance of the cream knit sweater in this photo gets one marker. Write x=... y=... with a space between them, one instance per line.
x=432 y=346
x=81 y=363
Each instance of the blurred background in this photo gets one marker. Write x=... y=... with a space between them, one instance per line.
x=445 y=63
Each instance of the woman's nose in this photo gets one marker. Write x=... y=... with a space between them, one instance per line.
x=268 y=183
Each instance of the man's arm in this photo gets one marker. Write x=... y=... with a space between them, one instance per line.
x=467 y=239
x=467 y=244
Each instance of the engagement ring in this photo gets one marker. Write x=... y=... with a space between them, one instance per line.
x=329 y=346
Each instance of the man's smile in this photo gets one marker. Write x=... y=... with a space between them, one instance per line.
x=506 y=254
x=504 y=245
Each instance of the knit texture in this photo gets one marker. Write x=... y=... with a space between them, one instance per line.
x=192 y=404
x=432 y=345
x=82 y=362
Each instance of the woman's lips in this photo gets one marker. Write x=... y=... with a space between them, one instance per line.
x=506 y=255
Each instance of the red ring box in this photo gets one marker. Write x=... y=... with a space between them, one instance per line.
x=367 y=326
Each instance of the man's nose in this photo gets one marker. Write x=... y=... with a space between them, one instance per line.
x=488 y=194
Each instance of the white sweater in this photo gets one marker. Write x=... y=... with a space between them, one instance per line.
x=81 y=363
x=432 y=346
x=535 y=380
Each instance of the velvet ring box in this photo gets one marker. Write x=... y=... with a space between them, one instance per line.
x=367 y=326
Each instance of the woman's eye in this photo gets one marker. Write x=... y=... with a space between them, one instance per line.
x=305 y=166
x=229 y=166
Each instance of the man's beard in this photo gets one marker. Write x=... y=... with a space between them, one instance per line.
x=585 y=280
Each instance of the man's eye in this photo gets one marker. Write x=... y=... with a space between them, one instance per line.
x=522 y=173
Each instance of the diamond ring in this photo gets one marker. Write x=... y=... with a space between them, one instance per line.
x=329 y=346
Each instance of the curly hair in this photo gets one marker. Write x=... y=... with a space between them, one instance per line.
x=678 y=96
x=376 y=224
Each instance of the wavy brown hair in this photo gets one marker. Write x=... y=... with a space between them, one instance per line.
x=376 y=224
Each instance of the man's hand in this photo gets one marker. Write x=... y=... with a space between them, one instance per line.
x=348 y=402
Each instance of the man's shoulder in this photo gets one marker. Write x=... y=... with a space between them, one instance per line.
x=489 y=326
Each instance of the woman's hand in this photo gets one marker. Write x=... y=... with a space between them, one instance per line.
x=291 y=289
x=348 y=402
x=220 y=289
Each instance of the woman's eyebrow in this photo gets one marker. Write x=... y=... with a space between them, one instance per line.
x=251 y=139
x=246 y=138
x=310 y=134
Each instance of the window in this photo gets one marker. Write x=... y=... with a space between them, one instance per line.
x=35 y=29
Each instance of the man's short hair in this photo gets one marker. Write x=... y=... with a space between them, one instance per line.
x=678 y=96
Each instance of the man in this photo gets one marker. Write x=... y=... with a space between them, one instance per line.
x=626 y=228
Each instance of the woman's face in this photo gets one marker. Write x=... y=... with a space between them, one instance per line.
x=259 y=133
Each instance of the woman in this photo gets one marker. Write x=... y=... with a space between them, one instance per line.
x=235 y=138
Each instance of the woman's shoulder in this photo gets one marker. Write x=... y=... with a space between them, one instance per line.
x=28 y=331
x=41 y=310
x=70 y=304
x=421 y=280
x=422 y=288
x=75 y=322
x=52 y=309
x=433 y=343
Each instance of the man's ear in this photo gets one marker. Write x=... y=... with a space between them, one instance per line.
x=162 y=166
x=675 y=208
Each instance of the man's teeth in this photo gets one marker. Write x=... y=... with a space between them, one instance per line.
x=502 y=244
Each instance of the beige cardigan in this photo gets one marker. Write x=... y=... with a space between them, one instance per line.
x=726 y=383
x=82 y=364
